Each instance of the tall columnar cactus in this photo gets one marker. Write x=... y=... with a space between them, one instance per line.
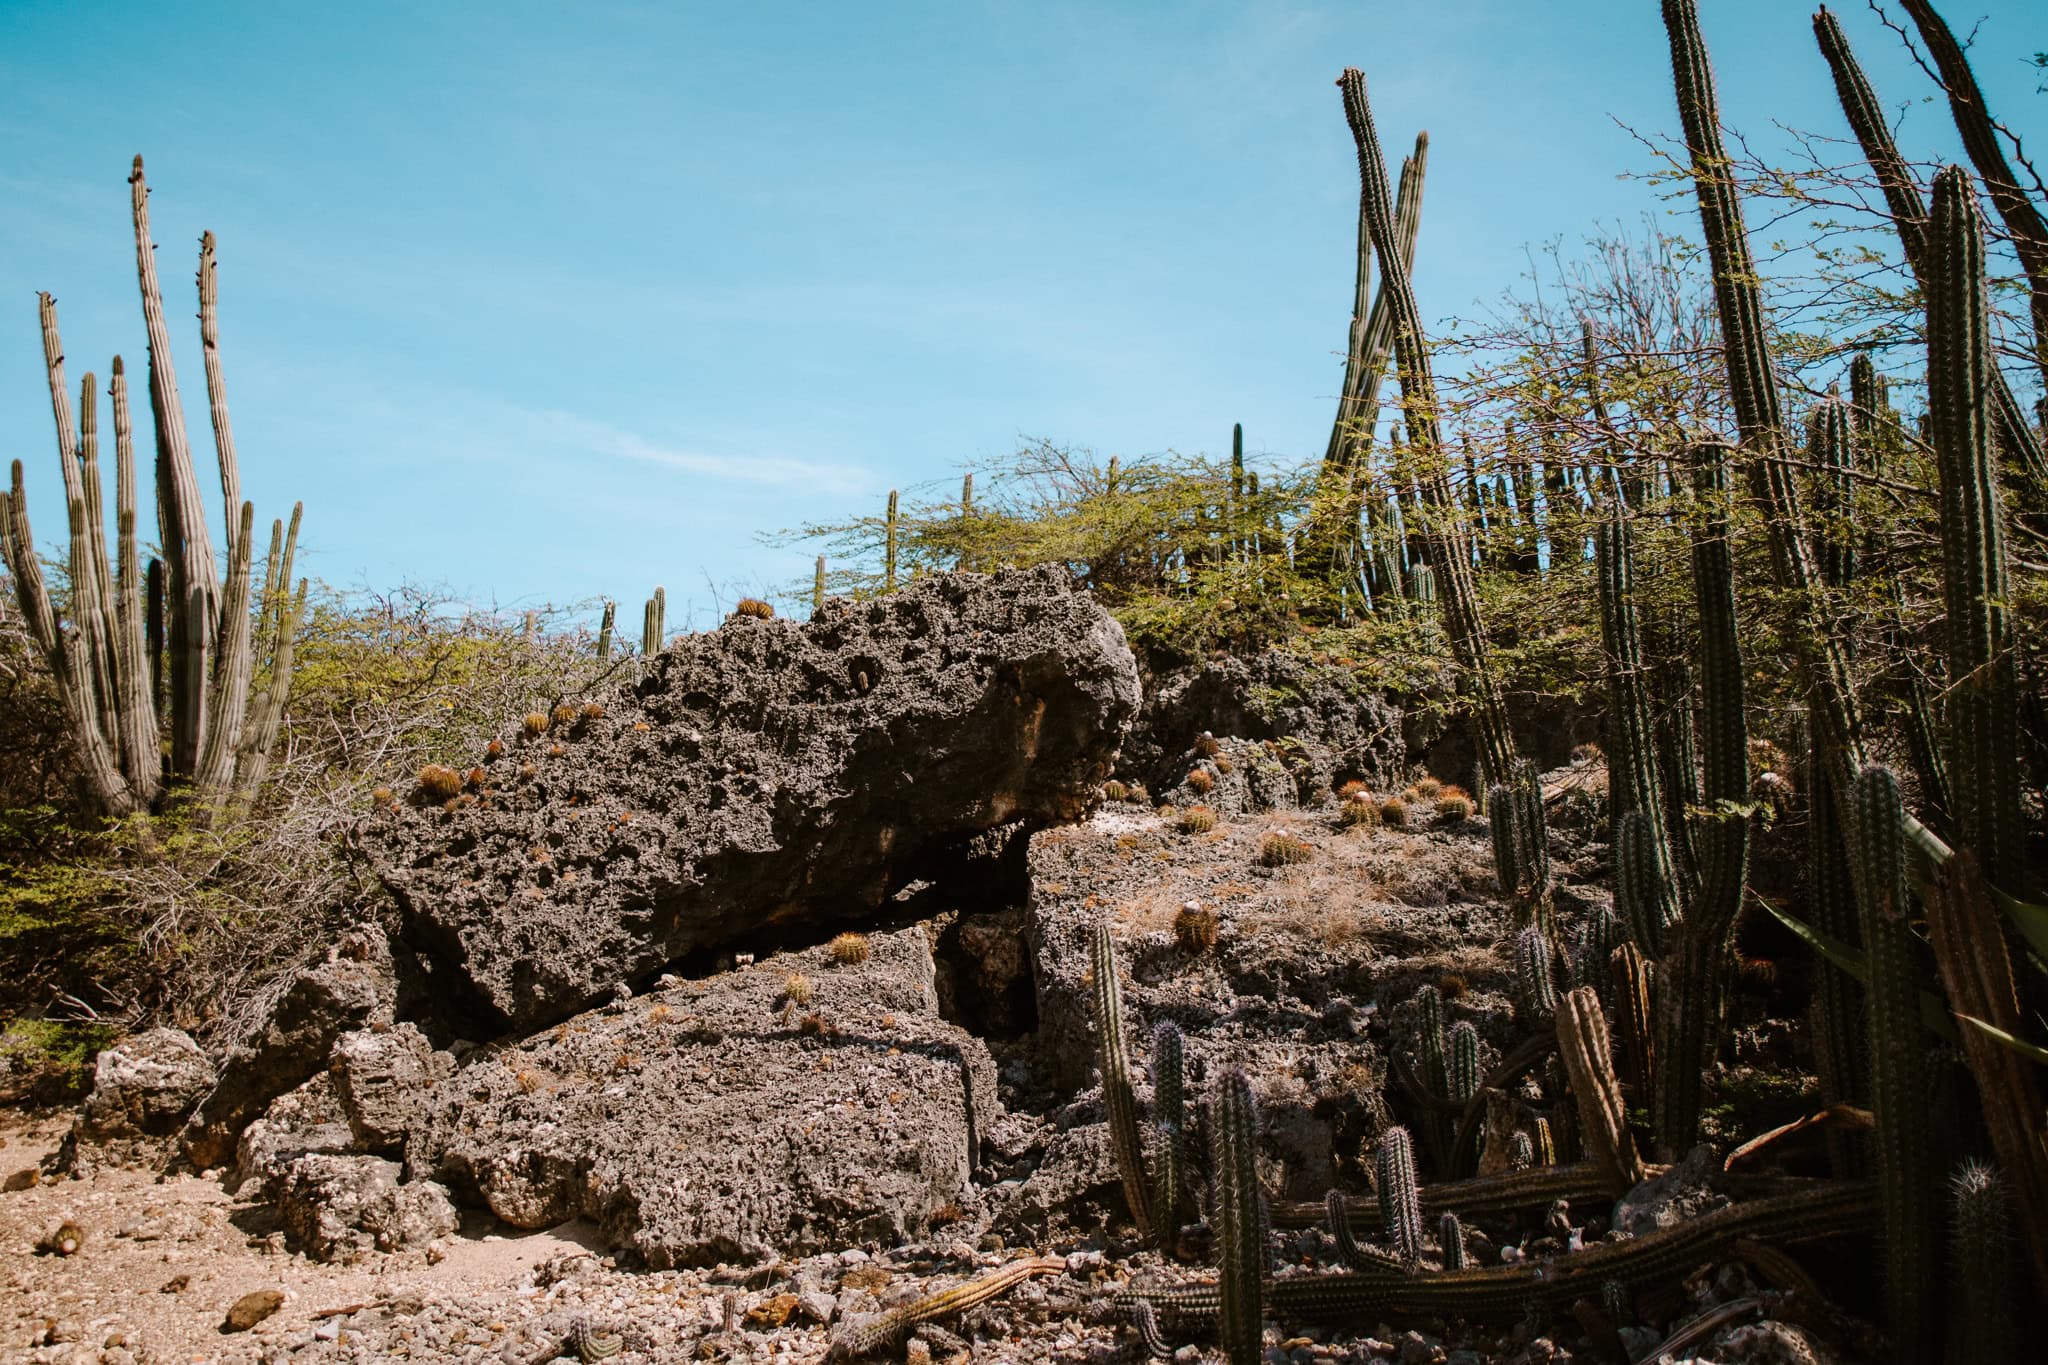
x=1449 y=550
x=1535 y=988
x=1980 y=1252
x=1753 y=393
x=889 y=546
x=1694 y=974
x=1898 y=1081
x=1521 y=847
x=1640 y=894
x=105 y=652
x=818 y=587
x=1582 y=1044
x=1633 y=784
x=1400 y=1196
x=1169 y=1123
x=654 y=624
x=1983 y=706
x=604 y=631
x=1464 y=1074
x=1119 y=1100
x=1678 y=763
x=1599 y=933
x=1240 y=1218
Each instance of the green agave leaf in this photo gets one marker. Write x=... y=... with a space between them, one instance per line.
x=1934 y=1015
x=2019 y=1045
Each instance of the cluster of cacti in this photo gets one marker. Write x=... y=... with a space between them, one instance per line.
x=107 y=652
x=1634 y=787
x=654 y=624
x=1119 y=1099
x=1535 y=988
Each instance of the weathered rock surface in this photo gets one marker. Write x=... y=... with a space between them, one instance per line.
x=307 y=1120
x=382 y=1078
x=341 y=1208
x=354 y=988
x=763 y=776
x=1325 y=728
x=142 y=1089
x=730 y=1119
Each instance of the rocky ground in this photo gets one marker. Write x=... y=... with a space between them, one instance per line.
x=650 y=1153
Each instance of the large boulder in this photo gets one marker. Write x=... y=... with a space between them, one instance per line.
x=142 y=1089
x=1320 y=723
x=341 y=1208
x=354 y=987
x=304 y=1121
x=793 y=1106
x=766 y=777
x=382 y=1078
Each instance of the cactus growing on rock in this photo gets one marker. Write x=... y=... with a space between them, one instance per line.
x=1169 y=1124
x=1119 y=1100
x=1464 y=1072
x=1535 y=988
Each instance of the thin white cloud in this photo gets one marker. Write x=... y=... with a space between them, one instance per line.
x=594 y=437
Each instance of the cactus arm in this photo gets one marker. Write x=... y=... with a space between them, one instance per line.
x=229 y=694
x=141 y=752
x=1583 y=1046
x=1119 y=1101
x=216 y=389
x=284 y=612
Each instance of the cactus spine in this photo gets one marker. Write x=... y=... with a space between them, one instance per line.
x=1169 y=1121
x=1240 y=1225
x=1400 y=1199
x=1119 y=1101
x=1980 y=1297
x=1898 y=1082
x=1534 y=986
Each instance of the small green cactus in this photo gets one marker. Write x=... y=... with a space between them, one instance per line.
x=1240 y=1222
x=1169 y=1123
x=1464 y=1062
x=1535 y=989
x=1450 y=1240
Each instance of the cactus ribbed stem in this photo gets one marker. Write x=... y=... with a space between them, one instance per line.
x=1535 y=988
x=1980 y=1294
x=1119 y=1100
x=1169 y=1123
x=1634 y=1019
x=1464 y=1073
x=1450 y=1240
x=889 y=1329
x=141 y=755
x=818 y=587
x=889 y=547
x=1641 y=897
x=1634 y=786
x=1582 y=1045
x=1429 y=1029
x=1240 y=1225
x=604 y=631
x=1983 y=708
x=1898 y=1081
x=1400 y=1203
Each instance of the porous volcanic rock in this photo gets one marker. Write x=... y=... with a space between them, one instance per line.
x=354 y=987
x=299 y=1122
x=341 y=1208
x=1330 y=728
x=795 y=1105
x=768 y=777
x=142 y=1089
x=381 y=1078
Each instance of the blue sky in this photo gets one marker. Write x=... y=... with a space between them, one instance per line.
x=551 y=301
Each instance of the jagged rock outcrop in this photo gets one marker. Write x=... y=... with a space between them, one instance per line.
x=354 y=988
x=795 y=1105
x=308 y=1120
x=1316 y=724
x=381 y=1080
x=765 y=777
x=142 y=1089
